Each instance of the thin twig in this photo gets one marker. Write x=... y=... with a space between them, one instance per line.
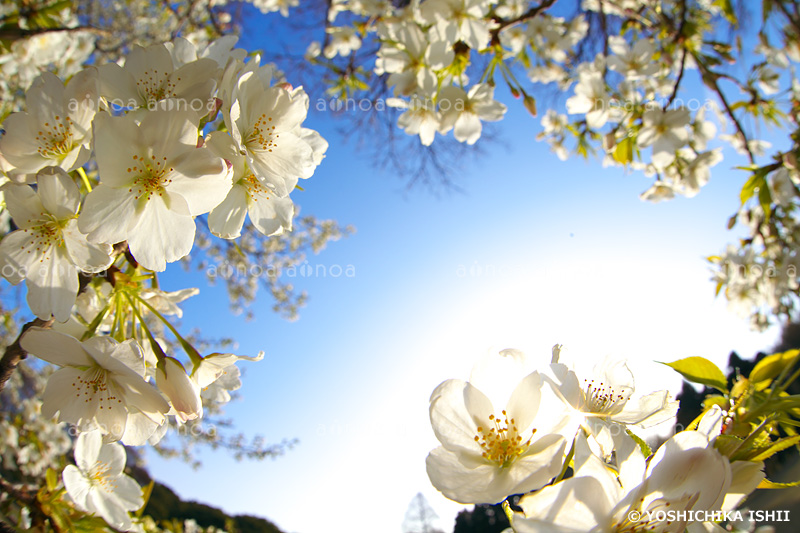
x=710 y=79
x=14 y=353
x=14 y=34
x=531 y=13
x=677 y=81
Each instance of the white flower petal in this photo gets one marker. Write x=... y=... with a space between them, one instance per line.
x=271 y=215
x=52 y=285
x=107 y=215
x=226 y=220
x=55 y=347
x=77 y=486
x=87 y=449
x=89 y=257
x=160 y=236
x=110 y=510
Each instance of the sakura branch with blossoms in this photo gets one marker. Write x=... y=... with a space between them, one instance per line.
x=619 y=77
x=114 y=171
x=106 y=176
x=566 y=444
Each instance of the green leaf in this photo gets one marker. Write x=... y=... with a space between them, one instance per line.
x=761 y=453
x=147 y=491
x=89 y=524
x=715 y=399
x=771 y=366
x=51 y=477
x=767 y=484
x=623 y=153
x=718 y=288
x=700 y=370
x=756 y=181
x=765 y=199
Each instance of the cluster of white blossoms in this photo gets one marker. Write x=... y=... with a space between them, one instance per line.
x=156 y=171
x=23 y=60
x=511 y=430
x=624 y=90
x=425 y=49
x=34 y=444
x=419 y=54
x=105 y=178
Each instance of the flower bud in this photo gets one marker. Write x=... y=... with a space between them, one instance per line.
x=790 y=161
x=530 y=104
x=609 y=141
x=183 y=393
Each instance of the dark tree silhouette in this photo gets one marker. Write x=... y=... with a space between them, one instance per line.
x=484 y=518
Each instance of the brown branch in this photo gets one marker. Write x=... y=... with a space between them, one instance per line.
x=14 y=353
x=24 y=495
x=28 y=497
x=793 y=20
x=15 y=34
x=677 y=82
x=604 y=27
x=214 y=22
x=710 y=79
x=531 y=13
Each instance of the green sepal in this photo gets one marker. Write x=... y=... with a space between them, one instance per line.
x=642 y=444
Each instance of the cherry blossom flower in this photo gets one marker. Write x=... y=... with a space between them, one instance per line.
x=694 y=170
x=95 y=386
x=269 y=6
x=555 y=127
x=783 y=185
x=462 y=112
x=269 y=213
x=266 y=122
x=458 y=20
x=217 y=374
x=686 y=474
x=601 y=401
x=666 y=132
x=221 y=51
x=592 y=99
x=634 y=62
x=48 y=250
x=411 y=61
x=56 y=129
x=166 y=303
x=183 y=393
x=148 y=80
x=342 y=41
x=702 y=130
x=420 y=118
x=96 y=482
x=489 y=452
x=154 y=180
x=660 y=190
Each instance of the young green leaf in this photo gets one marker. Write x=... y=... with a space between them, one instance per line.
x=771 y=366
x=700 y=370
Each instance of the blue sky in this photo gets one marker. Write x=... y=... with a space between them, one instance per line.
x=533 y=252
